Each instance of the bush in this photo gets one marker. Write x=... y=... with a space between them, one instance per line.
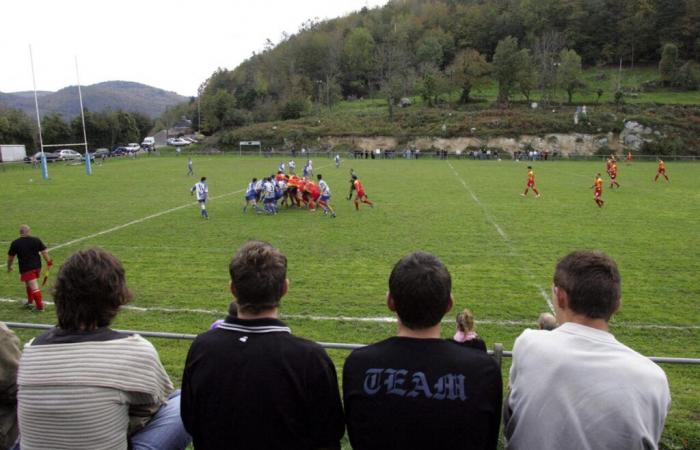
x=293 y=109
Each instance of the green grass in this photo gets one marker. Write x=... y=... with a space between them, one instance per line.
x=339 y=267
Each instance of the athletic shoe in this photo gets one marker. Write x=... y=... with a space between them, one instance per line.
x=28 y=305
x=333 y=215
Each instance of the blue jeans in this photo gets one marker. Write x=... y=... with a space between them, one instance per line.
x=164 y=432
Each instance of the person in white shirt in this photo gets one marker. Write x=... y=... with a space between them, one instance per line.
x=577 y=387
x=292 y=167
x=269 y=196
x=202 y=190
x=337 y=161
x=325 y=196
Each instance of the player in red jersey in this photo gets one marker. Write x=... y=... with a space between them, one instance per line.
x=312 y=194
x=629 y=157
x=598 y=193
x=360 y=195
x=613 y=175
x=530 y=182
x=661 y=171
x=28 y=251
x=609 y=164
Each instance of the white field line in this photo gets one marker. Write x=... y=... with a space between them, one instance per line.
x=375 y=319
x=143 y=219
x=504 y=236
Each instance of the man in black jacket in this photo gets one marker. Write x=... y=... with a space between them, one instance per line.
x=250 y=383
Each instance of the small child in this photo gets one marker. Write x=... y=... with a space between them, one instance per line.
x=465 y=334
x=232 y=312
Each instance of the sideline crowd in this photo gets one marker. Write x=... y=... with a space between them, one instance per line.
x=250 y=383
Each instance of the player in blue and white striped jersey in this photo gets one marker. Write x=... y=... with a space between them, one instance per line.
x=337 y=161
x=251 y=195
x=202 y=190
x=325 y=196
x=269 y=196
x=280 y=168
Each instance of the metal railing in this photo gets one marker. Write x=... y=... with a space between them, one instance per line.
x=497 y=352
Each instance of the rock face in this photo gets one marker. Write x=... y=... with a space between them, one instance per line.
x=635 y=134
x=566 y=144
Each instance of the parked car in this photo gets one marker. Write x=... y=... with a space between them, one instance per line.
x=148 y=142
x=100 y=152
x=68 y=154
x=119 y=151
x=50 y=157
x=92 y=157
x=177 y=142
x=133 y=147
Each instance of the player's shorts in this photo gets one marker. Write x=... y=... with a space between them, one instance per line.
x=613 y=176
x=250 y=196
x=204 y=200
x=597 y=194
x=530 y=184
x=361 y=194
x=325 y=198
x=30 y=275
x=269 y=200
x=662 y=170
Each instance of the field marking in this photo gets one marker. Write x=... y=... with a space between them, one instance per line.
x=143 y=219
x=491 y=219
x=373 y=319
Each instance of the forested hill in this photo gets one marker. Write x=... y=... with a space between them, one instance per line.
x=115 y=95
x=424 y=47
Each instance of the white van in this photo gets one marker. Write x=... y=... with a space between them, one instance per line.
x=148 y=142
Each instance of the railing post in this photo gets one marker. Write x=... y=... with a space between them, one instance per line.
x=498 y=353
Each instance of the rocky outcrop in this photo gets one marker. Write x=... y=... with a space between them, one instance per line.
x=566 y=144
x=634 y=135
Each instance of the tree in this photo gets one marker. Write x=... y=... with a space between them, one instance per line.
x=468 y=71
x=546 y=50
x=16 y=128
x=527 y=73
x=216 y=109
x=668 y=65
x=432 y=85
x=54 y=130
x=395 y=74
x=506 y=62
x=570 y=72
x=358 y=53
x=429 y=51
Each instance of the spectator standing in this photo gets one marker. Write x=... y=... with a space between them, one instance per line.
x=249 y=383
x=577 y=387
x=83 y=386
x=465 y=333
x=9 y=361
x=28 y=250
x=416 y=390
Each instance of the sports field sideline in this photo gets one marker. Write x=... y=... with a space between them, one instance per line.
x=501 y=248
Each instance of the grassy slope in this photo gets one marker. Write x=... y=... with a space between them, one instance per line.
x=340 y=267
x=369 y=117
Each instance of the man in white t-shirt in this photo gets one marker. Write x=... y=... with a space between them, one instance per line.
x=577 y=387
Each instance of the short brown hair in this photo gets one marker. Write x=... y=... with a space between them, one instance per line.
x=592 y=282
x=420 y=286
x=89 y=289
x=258 y=273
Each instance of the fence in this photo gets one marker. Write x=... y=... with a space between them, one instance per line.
x=497 y=352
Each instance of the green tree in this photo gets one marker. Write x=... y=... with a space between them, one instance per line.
x=358 y=56
x=55 y=130
x=668 y=66
x=527 y=73
x=429 y=51
x=570 y=72
x=506 y=62
x=16 y=128
x=216 y=109
x=469 y=71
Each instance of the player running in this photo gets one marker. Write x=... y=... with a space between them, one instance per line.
x=190 y=171
x=27 y=249
x=202 y=190
x=661 y=171
x=251 y=196
x=613 y=175
x=337 y=161
x=629 y=158
x=325 y=196
x=280 y=168
x=530 y=182
x=292 y=167
x=308 y=169
x=598 y=193
x=360 y=195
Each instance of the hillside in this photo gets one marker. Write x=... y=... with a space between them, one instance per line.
x=115 y=95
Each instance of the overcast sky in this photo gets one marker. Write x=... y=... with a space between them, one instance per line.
x=174 y=45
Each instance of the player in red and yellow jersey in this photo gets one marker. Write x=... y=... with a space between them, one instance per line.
x=311 y=194
x=661 y=171
x=360 y=195
x=613 y=175
x=598 y=193
x=292 y=190
x=530 y=182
